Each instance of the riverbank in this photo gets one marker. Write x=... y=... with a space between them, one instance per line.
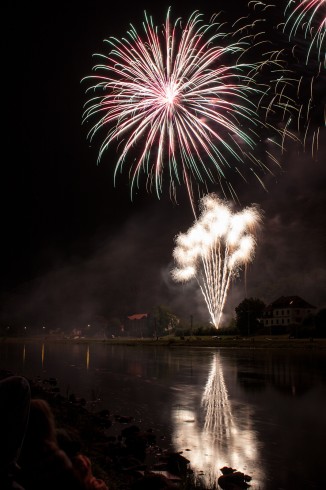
x=138 y=373
x=223 y=342
x=121 y=454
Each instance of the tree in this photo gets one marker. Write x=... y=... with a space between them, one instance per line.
x=114 y=327
x=162 y=321
x=320 y=322
x=248 y=314
x=313 y=325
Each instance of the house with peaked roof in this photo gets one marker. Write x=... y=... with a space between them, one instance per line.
x=138 y=316
x=137 y=325
x=285 y=312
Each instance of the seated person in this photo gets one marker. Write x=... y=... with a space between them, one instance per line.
x=14 y=409
x=43 y=464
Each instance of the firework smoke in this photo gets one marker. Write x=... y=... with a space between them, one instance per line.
x=214 y=249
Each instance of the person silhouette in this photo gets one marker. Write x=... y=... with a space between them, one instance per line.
x=15 y=398
x=43 y=464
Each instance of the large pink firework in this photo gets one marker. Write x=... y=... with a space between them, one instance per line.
x=176 y=100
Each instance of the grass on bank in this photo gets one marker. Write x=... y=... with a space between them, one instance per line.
x=262 y=341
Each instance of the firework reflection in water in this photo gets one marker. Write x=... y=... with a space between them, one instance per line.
x=215 y=436
x=214 y=249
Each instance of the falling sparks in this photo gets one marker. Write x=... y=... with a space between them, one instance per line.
x=214 y=249
x=310 y=16
x=305 y=25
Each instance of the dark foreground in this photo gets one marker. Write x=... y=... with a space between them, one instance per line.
x=123 y=455
x=128 y=460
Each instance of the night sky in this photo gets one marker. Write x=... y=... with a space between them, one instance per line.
x=74 y=247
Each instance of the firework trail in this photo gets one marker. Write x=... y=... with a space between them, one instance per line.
x=214 y=249
x=296 y=81
x=310 y=16
x=172 y=100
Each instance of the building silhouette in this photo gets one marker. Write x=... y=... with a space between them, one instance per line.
x=286 y=312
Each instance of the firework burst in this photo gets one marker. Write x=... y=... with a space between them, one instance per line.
x=306 y=25
x=310 y=16
x=172 y=100
x=214 y=249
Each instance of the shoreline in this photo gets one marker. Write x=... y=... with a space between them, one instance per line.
x=126 y=458
x=127 y=455
x=257 y=342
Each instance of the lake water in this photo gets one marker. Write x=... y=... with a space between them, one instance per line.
x=260 y=411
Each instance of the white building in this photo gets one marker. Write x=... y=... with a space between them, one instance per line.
x=286 y=311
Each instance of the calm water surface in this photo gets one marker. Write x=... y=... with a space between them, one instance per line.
x=260 y=411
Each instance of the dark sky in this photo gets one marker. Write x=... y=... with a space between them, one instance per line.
x=74 y=247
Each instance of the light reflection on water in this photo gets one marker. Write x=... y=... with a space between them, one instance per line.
x=262 y=412
x=219 y=440
x=42 y=355
x=87 y=358
x=24 y=355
